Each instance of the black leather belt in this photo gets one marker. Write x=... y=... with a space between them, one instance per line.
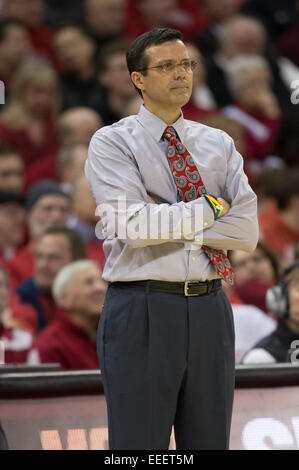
x=188 y=288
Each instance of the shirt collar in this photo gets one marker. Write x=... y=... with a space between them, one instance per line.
x=156 y=126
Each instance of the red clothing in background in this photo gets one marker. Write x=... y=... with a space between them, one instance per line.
x=275 y=233
x=188 y=19
x=29 y=150
x=65 y=343
x=192 y=112
x=16 y=344
x=41 y=41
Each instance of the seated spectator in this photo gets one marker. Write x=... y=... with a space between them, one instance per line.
x=71 y=339
x=53 y=250
x=255 y=273
x=14 y=44
x=256 y=106
x=76 y=125
x=28 y=120
x=84 y=220
x=70 y=164
x=216 y=13
x=242 y=35
x=12 y=170
x=16 y=341
x=114 y=77
x=47 y=205
x=279 y=223
x=31 y=14
x=202 y=102
x=105 y=20
x=12 y=227
x=75 y=51
x=277 y=347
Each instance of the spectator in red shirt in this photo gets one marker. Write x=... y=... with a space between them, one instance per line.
x=279 y=223
x=16 y=341
x=71 y=339
x=12 y=223
x=255 y=273
x=31 y=13
x=28 y=122
x=256 y=107
x=14 y=44
x=47 y=206
x=12 y=170
x=56 y=248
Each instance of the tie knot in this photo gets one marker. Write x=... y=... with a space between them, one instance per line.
x=169 y=133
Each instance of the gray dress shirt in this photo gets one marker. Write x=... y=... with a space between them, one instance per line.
x=128 y=160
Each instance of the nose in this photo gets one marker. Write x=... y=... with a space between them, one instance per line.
x=179 y=71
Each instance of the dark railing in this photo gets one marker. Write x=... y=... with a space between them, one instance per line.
x=50 y=382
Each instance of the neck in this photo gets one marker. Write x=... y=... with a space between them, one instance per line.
x=86 y=72
x=290 y=219
x=168 y=115
x=87 y=323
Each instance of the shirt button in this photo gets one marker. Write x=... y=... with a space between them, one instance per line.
x=205 y=224
x=193 y=258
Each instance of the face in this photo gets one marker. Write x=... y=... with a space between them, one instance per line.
x=49 y=210
x=116 y=77
x=4 y=293
x=78 y=126
x=84 y=202
x=252 y=266
x=12 y=173
x=29 y=11
x=157 y=12
x=85 y=293
x=219 y=10
x=73 y=49
x=12 y=218
x=39 y=98
x=15 y=45
x=165 y=90
x=106 y=16
x=245 y=39
x=75 y=168
x=256 y=82
x=51 y=253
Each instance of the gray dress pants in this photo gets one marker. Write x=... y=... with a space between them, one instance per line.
x=167 y=360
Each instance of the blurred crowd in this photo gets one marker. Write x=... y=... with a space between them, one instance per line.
x=64 y=71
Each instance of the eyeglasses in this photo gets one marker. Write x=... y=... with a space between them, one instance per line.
x=187 y=65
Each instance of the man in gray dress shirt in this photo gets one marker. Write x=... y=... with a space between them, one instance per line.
x=166 y=333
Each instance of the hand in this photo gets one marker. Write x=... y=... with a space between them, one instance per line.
x=225 y=205
x=150 y=200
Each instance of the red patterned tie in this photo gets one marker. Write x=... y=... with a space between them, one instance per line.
x=191 y=186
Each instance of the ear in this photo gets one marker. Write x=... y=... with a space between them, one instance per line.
x=138 y=80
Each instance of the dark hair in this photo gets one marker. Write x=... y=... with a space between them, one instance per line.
x=72 y=25
x=287 y=144
x=7 y=151
x=137 y=60
x=6 y=23
x=120 y=46
x=288 y=188
x=76 y=243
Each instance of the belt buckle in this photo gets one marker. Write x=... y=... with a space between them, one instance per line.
x=186 y=290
